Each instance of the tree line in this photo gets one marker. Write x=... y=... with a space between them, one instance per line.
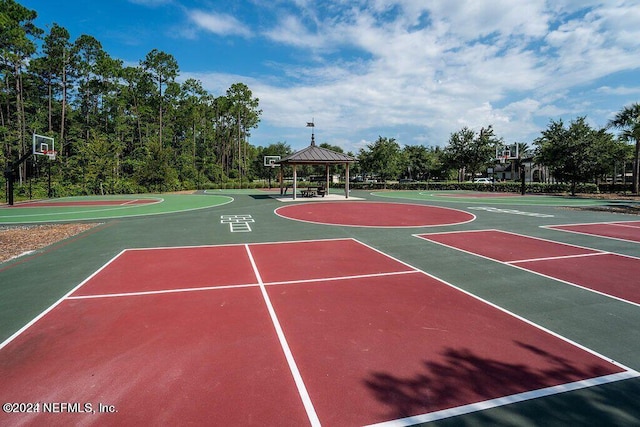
x=574 y=153
x=116 y=128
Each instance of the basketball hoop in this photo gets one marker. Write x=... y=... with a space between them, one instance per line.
x=271 y=161
x=44 y=146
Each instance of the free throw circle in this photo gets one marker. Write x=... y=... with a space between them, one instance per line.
x=374 y=214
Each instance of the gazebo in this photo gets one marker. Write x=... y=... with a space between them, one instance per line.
x=314 y=155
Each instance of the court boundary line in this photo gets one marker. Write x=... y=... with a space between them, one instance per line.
x=613 y=223
x=506 y=400
x=57 y=303
x=512 y=263
x=429 y=416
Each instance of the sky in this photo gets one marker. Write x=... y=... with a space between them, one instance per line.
x=413 y=70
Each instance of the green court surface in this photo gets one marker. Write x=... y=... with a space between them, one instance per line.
x=105 y=207
x=488 y=197
x=30 y=284
x=244 y=191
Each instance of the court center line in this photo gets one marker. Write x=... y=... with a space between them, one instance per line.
x=244 y=285
x=163 y=291
x=591 y=233
x=330 y=279
x=555 y=257
x=293 y=367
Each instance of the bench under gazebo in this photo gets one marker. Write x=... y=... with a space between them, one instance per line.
x=314 y=155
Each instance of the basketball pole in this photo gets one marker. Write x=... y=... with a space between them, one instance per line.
x=10 y=171
x=49 y=173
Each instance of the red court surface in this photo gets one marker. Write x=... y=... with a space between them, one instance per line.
x=372 y=344
x=607 y=273
x=623 y=230
x=169 y=267
x=374 y=214
x=77 y=203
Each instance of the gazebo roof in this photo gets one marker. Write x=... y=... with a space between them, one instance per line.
x=317 y=155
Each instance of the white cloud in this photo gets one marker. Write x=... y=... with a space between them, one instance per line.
x=440 y=65
x=218 y=23
x=291 y=31
x=619 y=90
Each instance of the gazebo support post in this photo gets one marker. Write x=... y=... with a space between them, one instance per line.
x=327 y=178
x=295 y=181
x=346 y=181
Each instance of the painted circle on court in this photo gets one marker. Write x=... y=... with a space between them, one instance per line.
x=374 y=214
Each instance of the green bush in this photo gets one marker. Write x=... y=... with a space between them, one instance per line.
x=502 y=187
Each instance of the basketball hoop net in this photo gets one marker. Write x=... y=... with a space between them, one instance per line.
x=51 y=154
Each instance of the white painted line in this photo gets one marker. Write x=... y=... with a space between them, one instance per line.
x=510 y=211
x=55 y=304
x=506 y=400
x=510 y=264
x=555 y=257
x=311 y=413
x=92 y=218
x=333 y=279
x=20 y=255
x=302 y=389
x=379 y=226
x=635 y=224
x=245 y=285
x=521 y=397
x=584 y=233
x=164 y=291
x=161 y=248
x=521 y=235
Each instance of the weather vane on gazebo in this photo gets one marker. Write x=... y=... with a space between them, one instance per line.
x=312 y=126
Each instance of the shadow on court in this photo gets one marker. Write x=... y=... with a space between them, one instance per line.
x=463 y=376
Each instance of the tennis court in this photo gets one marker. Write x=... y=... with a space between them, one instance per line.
x=298 y=319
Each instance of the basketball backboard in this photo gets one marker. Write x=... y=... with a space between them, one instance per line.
x=44 y=146
x=507 y=152
x=271 y=161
